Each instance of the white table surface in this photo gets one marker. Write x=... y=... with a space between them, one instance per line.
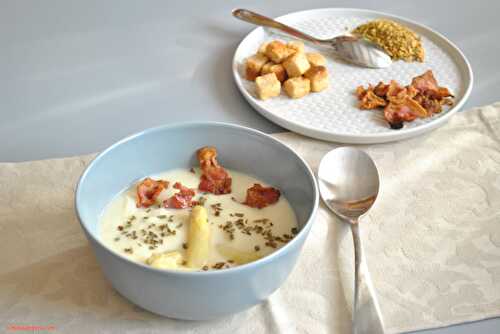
x=77 y=76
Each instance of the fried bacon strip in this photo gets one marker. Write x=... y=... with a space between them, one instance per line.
x=380 y=89
x=368 y=99
x=182 y=199
x=396 y=114
x=214 y=178
x=427 y=84
x=433 y=106
x=148 y=191
x=260 y=197
x=422 y=98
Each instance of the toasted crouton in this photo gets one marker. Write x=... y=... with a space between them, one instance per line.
x=262 y=48
x=276 y=51
x=277 y=69
x=297 y=87
x=319 y=78
x=316 y=59
x=297 y=46
x=254 y=65
x=296 y=64
x=289 y=52
x=267 y=68
x=267 y=86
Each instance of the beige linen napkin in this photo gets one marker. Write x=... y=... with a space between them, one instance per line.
x=432 y=242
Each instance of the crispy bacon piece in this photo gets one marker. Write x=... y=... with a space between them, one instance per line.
x=260 y=197
x=214 y=178
x=381 y=89
x=370 y=100
x=148 y=191
x=422 y=98
x=403 y=111
x=411 y=91
x=427 y=85
x=432 y=106
x=395 y=91
x=425 y=82
x=396 y=114
x=182 y=199
x=415 y=107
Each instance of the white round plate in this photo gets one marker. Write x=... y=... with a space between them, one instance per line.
x=332 y=114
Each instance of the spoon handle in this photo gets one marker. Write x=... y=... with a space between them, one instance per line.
x=257 y=19
x=366 y=315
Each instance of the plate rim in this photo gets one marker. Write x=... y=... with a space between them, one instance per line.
x=362 y=138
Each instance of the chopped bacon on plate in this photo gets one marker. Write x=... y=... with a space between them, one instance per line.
x=422 y=98
x=368 y=99
x=182 y=199
x=396 y=114
x=260 y=197
x=214 y=178
x=380 y=89
x=427 y=84
x=148 y=191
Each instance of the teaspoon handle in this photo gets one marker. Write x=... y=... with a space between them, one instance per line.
x=366 y=312
x=261 y=20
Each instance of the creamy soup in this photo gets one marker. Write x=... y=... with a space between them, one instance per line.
x=238 y=233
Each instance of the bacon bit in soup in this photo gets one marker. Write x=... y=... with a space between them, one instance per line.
x=182 y=199
x=214 y=178
x=148 y=191
x=185 y=191
x=260 y=197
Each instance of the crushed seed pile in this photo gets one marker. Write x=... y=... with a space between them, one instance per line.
x=397 y=40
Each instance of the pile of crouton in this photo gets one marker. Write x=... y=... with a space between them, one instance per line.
x=276 y=63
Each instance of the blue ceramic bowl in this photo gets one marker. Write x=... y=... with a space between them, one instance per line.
x=196 y=295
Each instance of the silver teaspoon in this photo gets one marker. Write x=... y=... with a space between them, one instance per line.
x=350 y=48
x=349 y=184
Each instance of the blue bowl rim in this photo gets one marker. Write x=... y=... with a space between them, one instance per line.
x=248 y=266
